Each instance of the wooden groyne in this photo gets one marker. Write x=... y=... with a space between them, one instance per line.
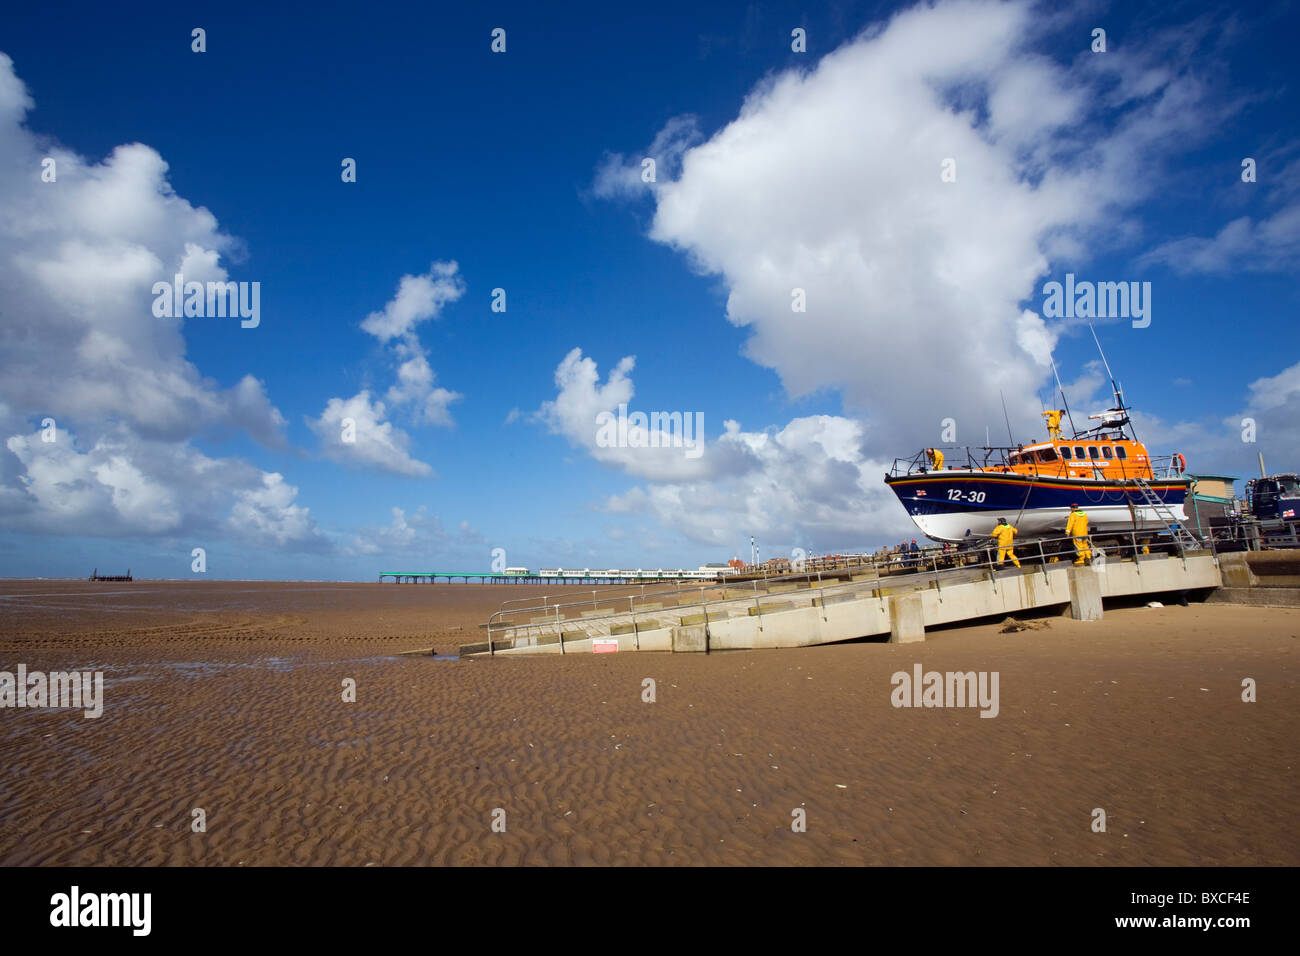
x=96 y=576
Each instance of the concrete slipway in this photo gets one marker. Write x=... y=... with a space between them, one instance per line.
x=789 y=613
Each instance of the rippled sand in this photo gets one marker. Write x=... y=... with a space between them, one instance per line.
x=226 y=696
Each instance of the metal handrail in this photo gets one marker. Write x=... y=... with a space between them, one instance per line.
x=1138 y=543
x=703 y=603
x=546 y=607
x=633 y=584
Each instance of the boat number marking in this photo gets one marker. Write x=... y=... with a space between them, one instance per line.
x=955 y=494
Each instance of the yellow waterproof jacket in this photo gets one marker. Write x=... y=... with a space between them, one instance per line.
x=1078 y=523
x=1003 y=534
x=1053 y=423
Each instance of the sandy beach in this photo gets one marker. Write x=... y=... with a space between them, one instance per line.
x=228 y=697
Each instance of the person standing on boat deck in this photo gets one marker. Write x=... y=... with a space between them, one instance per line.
x=1054 y=422
x=1077 y=528
x=1003 y=533
x=914 y=554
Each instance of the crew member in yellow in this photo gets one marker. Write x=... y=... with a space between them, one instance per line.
x=1003 y=533
x=1054 y=422
x=1077 y=527
x=936 y=458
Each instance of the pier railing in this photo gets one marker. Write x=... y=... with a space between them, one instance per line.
x=928 y=567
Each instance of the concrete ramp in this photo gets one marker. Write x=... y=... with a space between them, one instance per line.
x=805 y=613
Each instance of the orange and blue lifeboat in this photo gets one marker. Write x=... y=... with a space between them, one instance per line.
x=955 y=493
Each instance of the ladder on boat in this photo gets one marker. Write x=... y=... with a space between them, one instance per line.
x=1179 y=532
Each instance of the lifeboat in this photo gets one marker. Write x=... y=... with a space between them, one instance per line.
x=951 y=493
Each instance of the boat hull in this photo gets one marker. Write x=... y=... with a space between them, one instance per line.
x=947 y=505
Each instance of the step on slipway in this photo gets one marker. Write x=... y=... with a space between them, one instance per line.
x=730 y=618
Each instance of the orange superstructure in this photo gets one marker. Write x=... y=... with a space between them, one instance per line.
x=1094 y=458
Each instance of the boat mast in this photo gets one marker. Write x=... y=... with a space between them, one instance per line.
x=1119 y=395
x=1063 y=401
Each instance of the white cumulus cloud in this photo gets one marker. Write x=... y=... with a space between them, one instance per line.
x=380 y=443
x=80 y=251
x=828 y=189
x=659 y=444
x=811 y=483
x=418 y=298
x=376 y=442
x=78 y=259
x=811 y=478
x=122 y=485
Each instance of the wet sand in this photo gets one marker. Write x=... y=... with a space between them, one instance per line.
x=227 y=696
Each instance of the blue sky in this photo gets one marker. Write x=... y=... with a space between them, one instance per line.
x=775 y=170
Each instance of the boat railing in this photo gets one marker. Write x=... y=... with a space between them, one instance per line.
x=1165 y=466
x=964 y=457
x=995 y=458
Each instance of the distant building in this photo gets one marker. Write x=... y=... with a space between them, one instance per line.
x=1212 y=496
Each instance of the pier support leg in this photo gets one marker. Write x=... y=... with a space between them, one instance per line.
x=906 y=619
x=1085 y=594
